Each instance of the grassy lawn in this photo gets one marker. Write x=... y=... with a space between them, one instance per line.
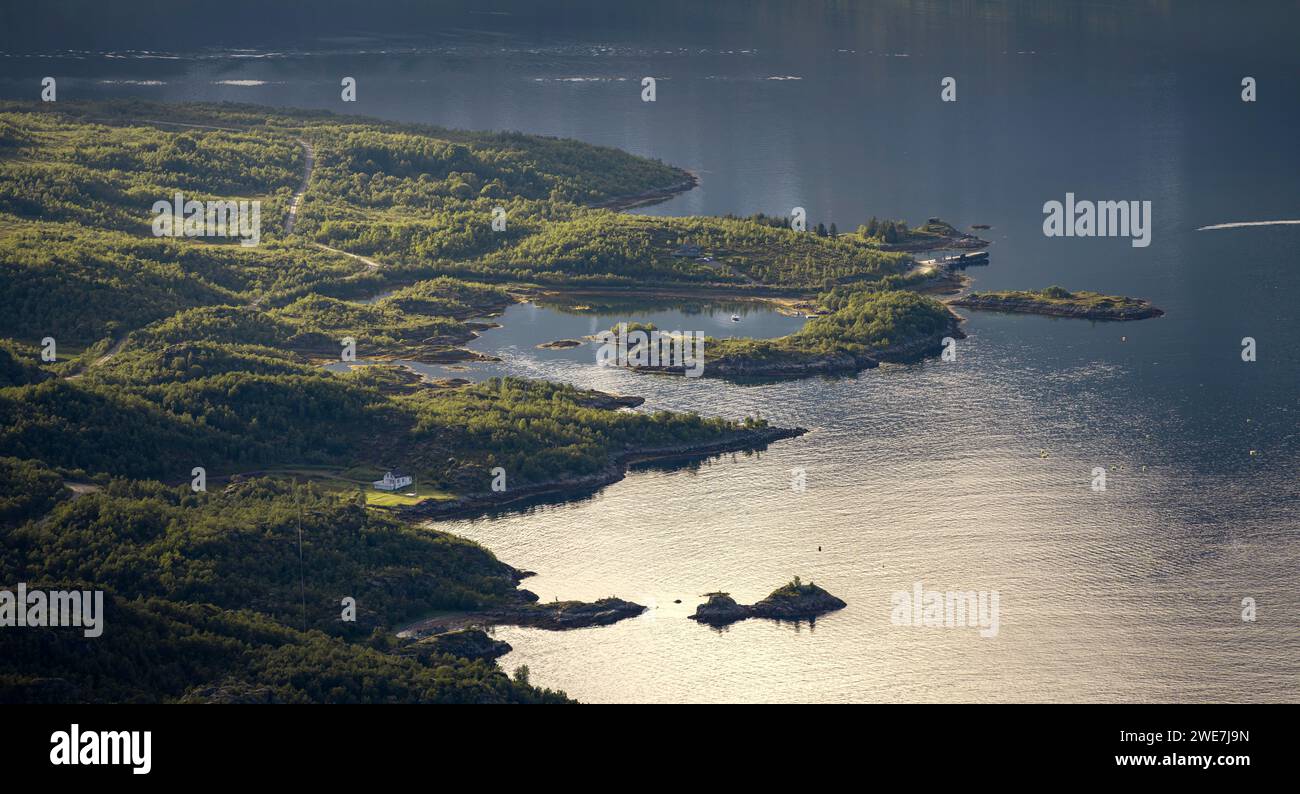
x=345 y=482
x=403 y=496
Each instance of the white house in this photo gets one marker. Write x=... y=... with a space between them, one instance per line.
x=393 y=480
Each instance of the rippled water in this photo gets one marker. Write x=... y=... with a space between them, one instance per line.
x=969 y=475
x=929 y=473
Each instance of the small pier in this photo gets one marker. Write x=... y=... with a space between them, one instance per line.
x=958 y=261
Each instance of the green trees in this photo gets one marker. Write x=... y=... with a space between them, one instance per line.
x=885 y=231
x=28 y=490
x=158 y=413
x=81 y=285
x=875 y=319
x=62 y=168
x=862 y=324
x=1059 y=301
x=218 y=368
x=202 y=600
x=82 y=265
x=538 y=431
x=232 y=548
x=19 y=364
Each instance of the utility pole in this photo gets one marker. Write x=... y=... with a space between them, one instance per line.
x=302 y=582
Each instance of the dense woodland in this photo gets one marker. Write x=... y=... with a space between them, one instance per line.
x=202 y=598
x=861 y=324
x=174 y=353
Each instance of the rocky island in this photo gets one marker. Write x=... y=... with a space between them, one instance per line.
x=1060 y=302
x=452 y=633
x=935 y=234
x=793 y=601
x=560 y=344
x=562 y=615
x=859 y=329
x=463 y=643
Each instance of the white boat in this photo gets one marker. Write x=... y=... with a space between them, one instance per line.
x=735 y=318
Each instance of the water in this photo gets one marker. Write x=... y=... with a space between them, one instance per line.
x=524 y=326
x=970 y=475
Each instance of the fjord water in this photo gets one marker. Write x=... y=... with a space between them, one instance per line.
x=965 y=475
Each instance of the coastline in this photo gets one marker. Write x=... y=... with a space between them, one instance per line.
x=486 y=501
x=652 y=196
x=841 y=362
x=523 y=610
x=958 y=241
x=1139 y=310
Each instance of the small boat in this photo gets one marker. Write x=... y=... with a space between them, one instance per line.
x=735 y=318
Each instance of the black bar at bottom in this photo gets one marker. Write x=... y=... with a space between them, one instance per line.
x=322 y=743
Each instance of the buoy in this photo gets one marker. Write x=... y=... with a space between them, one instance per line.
x=1042 y=453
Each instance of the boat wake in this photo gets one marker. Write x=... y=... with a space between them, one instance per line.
x=1248 y=223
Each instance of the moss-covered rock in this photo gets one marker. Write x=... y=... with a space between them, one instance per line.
x=793 y=601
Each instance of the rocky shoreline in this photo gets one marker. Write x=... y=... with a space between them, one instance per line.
x=440 y=356
x=794 y=601
x=653 y=196
x=466 y=643
x=1130 y=309
x=799 y=365
x=453 y=633
x=956 y=240
x=485 y=501
x=560 y=344
x=610 y=402
x=564 y=615
x=461 y=633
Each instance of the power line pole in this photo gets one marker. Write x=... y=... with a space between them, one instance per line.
x=302 y=582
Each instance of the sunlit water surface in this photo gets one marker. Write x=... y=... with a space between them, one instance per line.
x=969 y=475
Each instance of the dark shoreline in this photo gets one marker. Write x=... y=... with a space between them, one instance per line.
x=959 y=241
x=488 y=501
x=838 y=363
x=524 y=610
x=1141 y=311
x=793 y=602
x=648 y=197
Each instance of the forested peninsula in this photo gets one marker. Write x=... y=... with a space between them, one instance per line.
x=133 y=366
x=1059 y=302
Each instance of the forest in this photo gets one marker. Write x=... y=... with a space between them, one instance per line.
x=203 y=600
x=860 y=325
x=176 y=353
